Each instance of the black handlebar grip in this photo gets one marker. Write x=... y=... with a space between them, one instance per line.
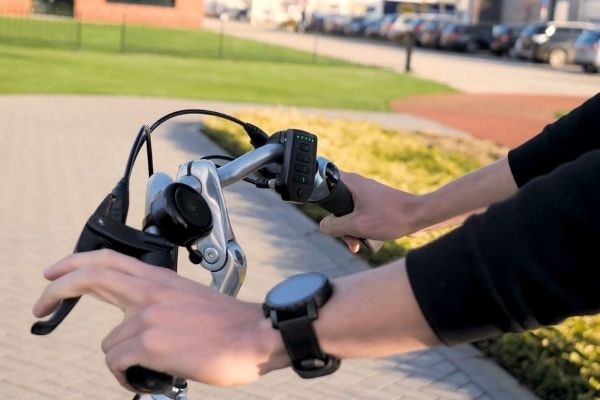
x=141 y=378
x=339 y=201
x=162 y=259
x=146 y=380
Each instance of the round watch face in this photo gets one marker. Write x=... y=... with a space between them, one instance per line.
x=296 y=289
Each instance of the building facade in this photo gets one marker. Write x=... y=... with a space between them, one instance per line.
x=173 y=13
x=16 y=7
x=579 y=10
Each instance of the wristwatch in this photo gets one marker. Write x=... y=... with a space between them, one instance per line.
x=293 y=305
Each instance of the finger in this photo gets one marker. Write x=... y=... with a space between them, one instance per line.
x=126 y=330
x=350 y=179
x=337 y=226
x=110 y=286
x=105 y=258
x=135 y=351
x=129 y=328
x=121 y=357
x=353 y=243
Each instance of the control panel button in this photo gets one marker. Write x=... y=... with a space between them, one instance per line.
x=302 y=168
x=299 y=178
x=302 y=157
x=305 y=147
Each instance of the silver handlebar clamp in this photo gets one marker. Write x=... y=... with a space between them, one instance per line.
x=219 y=252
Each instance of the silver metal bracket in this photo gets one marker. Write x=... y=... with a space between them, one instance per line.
x=174 y=394
x=219 y=251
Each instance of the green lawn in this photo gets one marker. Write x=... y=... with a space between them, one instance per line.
x=61 y=56
x=42 y=70
x=70 y=33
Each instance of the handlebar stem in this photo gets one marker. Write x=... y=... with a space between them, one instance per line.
x=221 y=255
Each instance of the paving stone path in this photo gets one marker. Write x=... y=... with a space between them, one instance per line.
x=60 y=155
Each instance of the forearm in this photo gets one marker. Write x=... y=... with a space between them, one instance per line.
x=467 y=194
x=527 y=261
x=560 y=142
x=373 y=313
x=370 y=314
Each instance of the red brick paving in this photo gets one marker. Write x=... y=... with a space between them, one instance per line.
x=505 y=119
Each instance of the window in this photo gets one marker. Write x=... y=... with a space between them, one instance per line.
x=166 y=3
x=533 y=29
x=589 y=37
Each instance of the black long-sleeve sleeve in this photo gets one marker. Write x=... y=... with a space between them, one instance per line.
x=530 y=260
x=562 y=141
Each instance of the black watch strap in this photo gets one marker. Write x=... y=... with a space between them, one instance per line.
x=308 y=360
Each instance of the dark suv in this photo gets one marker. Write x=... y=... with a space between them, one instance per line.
x=587 y=50
x=550 y=42
x=466 y=37
x=504 y=38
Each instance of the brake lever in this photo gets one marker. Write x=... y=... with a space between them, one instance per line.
x=88 y=241
x=106 y=229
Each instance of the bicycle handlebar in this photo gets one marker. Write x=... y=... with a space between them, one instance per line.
x=249 y=163
x=168 y=221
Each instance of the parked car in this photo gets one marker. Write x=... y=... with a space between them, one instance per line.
x=386 y=24
x=334 y=23
x=587 y=50
x=431 y=32
x=314 y=22
x=402 y=25
x=355 y=27
x=466 y=37
x=372 y=27
x=550 y=42
x=504 y=38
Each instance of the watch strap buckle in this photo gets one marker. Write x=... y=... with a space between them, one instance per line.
x=316 y=367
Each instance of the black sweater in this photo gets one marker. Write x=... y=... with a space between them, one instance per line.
x=531 y=260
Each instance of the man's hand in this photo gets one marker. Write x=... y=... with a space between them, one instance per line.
x=384 y=213
x=171 y=324
x=380 y=213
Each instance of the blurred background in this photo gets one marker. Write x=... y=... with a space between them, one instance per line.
x=412 y=93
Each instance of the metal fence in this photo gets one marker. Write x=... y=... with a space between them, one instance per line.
x=47 y=31
x=71 y=33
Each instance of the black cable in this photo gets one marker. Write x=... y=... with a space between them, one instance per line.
x=257 y=137
x=149 y=152
x=195 y=111
x=135 y=149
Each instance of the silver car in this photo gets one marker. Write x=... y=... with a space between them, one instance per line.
x=587 y=50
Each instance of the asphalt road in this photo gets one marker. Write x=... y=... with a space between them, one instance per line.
x=471 y=74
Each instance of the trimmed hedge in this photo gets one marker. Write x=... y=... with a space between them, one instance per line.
x=557 y=363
